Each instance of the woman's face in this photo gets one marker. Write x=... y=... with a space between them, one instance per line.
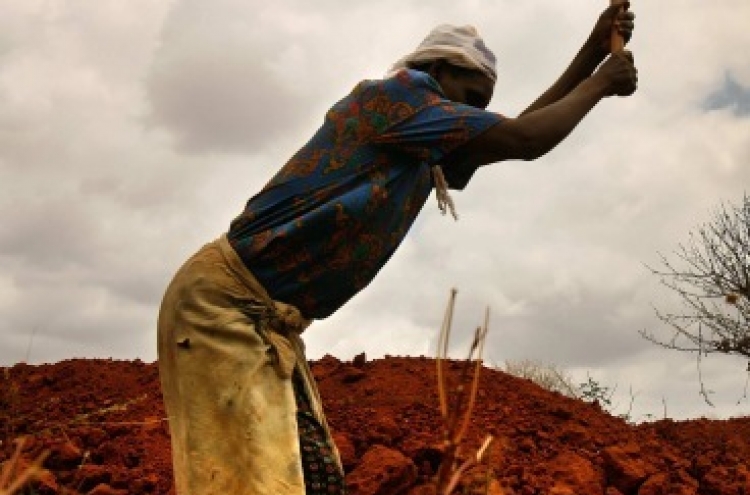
x=470 y=87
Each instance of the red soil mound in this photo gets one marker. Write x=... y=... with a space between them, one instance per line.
x=103 y=424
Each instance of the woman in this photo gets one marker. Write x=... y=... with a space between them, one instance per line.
x=245 y=415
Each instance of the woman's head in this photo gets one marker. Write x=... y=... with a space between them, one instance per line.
x=460 y=46
x=460 y=84
x=457 y=58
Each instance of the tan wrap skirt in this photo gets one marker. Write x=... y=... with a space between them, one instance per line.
x=226 y=356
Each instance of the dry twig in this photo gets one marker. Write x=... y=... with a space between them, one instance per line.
x=10 y=480
x=456 y=406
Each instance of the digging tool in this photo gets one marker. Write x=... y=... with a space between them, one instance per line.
x=618 y=42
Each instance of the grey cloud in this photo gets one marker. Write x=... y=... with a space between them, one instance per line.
x=217 y=83
x=731 y=95
x=596 y=327
x=48 y=234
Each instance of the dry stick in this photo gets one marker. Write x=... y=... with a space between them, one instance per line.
x=469 y=463
x=445 y=331
x=478 y=345
x=8 y=487
x=456 y=415
x=445 y=411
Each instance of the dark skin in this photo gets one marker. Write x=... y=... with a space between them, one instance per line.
x=593 y=75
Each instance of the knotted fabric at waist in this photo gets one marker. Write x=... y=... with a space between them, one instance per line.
x=280 y=325
x=280 y=317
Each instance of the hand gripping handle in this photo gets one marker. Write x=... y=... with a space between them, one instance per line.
x=617 y=43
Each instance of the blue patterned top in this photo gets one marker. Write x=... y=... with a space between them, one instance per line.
x=329 y=220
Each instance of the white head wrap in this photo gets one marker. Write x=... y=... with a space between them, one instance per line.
x=458 y=45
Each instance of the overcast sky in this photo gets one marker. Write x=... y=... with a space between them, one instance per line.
x=131 y=133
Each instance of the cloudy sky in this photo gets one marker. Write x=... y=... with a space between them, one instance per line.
x=131 y=133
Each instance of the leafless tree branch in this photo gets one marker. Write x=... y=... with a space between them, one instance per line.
x=710 y=274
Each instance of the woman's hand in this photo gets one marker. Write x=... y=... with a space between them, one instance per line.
x=618 y=74
x=601 y=35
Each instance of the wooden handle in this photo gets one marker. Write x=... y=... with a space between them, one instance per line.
x=618 y=42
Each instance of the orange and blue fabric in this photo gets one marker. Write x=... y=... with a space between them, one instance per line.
x=329 y=220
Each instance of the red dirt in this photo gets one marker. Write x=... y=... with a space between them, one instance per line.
x=102 y=422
